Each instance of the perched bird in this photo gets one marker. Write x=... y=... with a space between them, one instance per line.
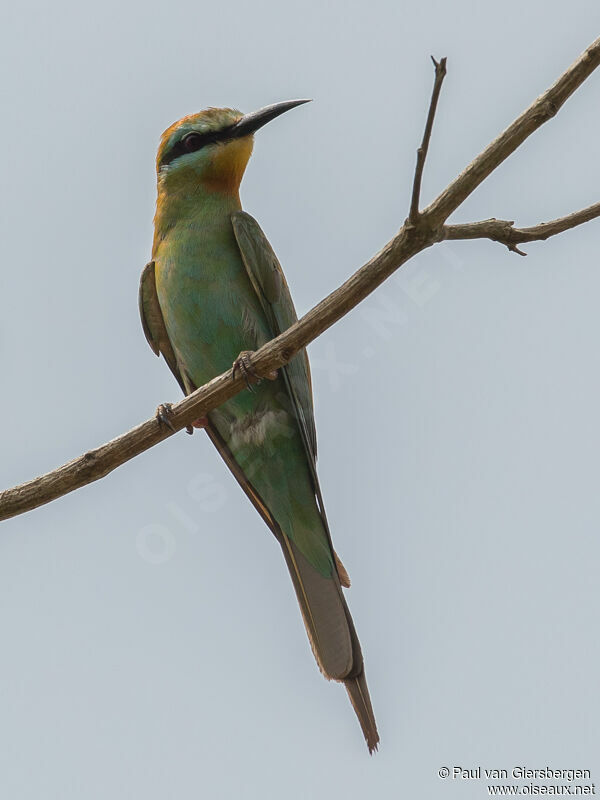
x=213 y=291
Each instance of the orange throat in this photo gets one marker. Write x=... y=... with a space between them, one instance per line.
x=226 y=170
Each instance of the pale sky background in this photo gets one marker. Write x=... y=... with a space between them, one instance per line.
x=151 y=642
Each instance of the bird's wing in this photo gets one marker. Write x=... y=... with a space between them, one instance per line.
x=273 y=292
x=154 y=324
x=270 y=285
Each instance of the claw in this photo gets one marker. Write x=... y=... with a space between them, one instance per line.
x=201 y=422
x=163 y=412
x=243 y=364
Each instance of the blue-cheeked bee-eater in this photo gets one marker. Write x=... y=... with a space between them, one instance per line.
x=214 y=290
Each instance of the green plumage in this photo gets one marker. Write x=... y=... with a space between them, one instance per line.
x=212 y=312
x=213 y=290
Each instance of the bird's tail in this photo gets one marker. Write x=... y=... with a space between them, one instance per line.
x=361 y=702
x=331 y=634
x=326 y=616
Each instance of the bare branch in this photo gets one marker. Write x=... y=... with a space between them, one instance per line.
x=539 y=112
x=503 y=231
x=98 y=463
x=440 y=74
x=418 y=232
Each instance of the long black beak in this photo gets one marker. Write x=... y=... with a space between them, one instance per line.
x=250 y=123
x=245 y=126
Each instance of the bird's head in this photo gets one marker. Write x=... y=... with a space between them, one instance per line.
x=211 y=148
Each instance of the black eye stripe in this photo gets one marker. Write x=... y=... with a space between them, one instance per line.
x=200 y=140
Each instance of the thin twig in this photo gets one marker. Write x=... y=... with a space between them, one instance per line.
x=540 y=111
x=440 y=74
x=409 y=241
x=503 y=231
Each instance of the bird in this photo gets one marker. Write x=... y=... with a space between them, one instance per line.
x=213 y=293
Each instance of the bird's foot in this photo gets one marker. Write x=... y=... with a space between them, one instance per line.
x=201 y=422
x=243 y=364
x=164 y=413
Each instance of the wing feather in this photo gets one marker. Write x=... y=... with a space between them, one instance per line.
x=270 y=285
x=154 y=324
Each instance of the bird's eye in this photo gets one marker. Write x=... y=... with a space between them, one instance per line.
x=192 y=142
